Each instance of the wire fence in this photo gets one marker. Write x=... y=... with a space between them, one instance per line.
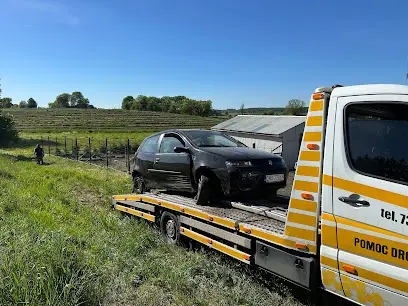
x=110 y=153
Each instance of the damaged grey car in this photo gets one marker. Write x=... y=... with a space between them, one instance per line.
x=207 y=164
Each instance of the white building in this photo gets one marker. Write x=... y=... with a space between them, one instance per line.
x=281 y=135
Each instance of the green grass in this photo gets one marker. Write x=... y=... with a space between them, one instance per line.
x=114 y=120
x=61 y=244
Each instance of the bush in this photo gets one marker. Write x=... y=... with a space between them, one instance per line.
x=8 y=131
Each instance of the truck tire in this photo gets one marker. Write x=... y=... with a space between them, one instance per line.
x=138 y=184
x=203 y=191
x=170 y=227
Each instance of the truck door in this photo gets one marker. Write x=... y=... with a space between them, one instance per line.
x=370 y=197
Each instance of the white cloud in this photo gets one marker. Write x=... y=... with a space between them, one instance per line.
x=56 y=11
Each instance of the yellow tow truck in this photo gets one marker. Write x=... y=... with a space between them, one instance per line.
x=344 y=227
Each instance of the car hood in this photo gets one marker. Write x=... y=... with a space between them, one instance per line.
x=240 y=153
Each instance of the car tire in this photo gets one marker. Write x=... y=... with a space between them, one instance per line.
x=170 y=227
x=203 y=191
x=139 y=185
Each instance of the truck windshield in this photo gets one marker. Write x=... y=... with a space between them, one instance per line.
x=212 y=139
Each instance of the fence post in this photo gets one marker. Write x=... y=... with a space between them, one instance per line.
x=42 y=142
x=65 y=146
x=49 y=146
x=89 y=148
x=107 y=154
x=128 y=156
x=76 y=148
x=56 y=146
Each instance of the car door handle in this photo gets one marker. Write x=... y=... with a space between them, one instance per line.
x=157 y=159
x=354 y=201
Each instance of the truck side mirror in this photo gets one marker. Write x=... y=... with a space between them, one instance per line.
x=181 y=150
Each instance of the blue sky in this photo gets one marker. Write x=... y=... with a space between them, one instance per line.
x=260 y=52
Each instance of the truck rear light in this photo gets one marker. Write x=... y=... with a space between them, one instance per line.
x=313 y=146
x=307 y=196
x=317 y=96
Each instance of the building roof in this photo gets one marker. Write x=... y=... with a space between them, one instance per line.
x=260 y=124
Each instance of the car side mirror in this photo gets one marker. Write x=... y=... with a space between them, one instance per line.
x=181 y=150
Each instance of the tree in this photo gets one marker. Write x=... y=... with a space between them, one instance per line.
x=23 y=104
x=61 y=101
x=77 y=100
x=31 y=103
x=242 y=108
x=127 y=102
x=140 y=103
x=6 y=103
x=295 y=107
x=8 y=131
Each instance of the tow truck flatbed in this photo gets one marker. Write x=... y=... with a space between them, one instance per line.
x=261 y=215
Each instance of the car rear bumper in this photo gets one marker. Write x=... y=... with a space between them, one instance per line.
x=237 y=180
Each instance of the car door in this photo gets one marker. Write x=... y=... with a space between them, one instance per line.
x=145 y=159
x=370 y=197
x=173 y=169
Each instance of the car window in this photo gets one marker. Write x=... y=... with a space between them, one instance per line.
x=150 y=145
x=168 y=143
x=212 y=139
x=375 y=135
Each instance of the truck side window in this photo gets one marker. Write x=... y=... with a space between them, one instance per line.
x=150 y=145
x=168 y=143
x=377 y=140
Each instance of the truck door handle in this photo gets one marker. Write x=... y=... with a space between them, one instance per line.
x=354 y=201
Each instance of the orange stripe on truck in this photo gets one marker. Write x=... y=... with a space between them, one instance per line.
x=314 y=121
x=312 y=136
x=368 y=191
x=316 y=106
x=306 y=186
x=303 y=205
x=302 y=219
x=376 y=278
x=309 y=156
x=307 y=171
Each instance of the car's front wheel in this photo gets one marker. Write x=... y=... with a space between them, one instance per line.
x=138 y=185
x=203 y=191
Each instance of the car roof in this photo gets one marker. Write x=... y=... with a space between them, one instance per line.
x=180 y=131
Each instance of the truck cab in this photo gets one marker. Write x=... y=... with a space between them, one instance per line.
x=344 y=227
x=364 y=198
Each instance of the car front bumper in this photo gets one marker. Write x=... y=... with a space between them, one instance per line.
x=237 y=180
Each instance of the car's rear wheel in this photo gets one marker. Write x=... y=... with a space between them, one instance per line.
x=138 y=184
x=203 y=190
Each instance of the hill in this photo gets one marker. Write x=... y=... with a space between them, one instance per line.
x=62 y=120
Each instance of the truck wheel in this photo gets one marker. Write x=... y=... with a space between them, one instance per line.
x=203 y=192
x=138 y=185
x=170 y=227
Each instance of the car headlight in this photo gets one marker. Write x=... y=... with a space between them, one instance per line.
x=240 y=163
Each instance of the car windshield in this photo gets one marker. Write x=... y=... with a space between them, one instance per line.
x=212 y=139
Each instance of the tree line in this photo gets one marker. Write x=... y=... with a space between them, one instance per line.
x=74 y=100
x=7 y=102
x=176 y=104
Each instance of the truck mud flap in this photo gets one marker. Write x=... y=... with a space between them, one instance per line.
x=297 y=269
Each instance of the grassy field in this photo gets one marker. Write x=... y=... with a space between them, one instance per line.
x=61 y=244
x=113 y=120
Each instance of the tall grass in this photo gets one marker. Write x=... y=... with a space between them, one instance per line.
x=61 y=244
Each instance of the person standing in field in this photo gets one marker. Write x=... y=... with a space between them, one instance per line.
x=39 y=154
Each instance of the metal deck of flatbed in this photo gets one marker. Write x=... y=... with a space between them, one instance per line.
x=226 y=210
